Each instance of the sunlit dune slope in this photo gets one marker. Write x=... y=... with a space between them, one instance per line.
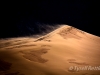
x=53 y=54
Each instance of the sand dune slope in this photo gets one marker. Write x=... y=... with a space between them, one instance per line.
x=65 y=51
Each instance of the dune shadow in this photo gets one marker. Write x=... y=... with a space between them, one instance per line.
x=73 y=61
x=79 y=63
x=4 y=65
x=35 y=55
x=14 y=73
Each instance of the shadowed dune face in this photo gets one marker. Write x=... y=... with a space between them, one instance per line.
x=4 y=66
x=73 y=61
x=52 y=54
x=35 y=55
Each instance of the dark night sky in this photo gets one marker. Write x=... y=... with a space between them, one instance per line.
x=19 y=16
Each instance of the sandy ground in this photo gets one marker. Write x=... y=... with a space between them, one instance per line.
x=65 y=51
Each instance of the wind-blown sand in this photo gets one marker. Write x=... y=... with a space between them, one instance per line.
x=57 y=53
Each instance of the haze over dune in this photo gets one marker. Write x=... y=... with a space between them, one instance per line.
x=56 y=53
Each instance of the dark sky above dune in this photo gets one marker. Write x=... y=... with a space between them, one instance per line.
x=21 y=16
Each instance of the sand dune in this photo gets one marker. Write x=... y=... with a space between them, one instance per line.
x=57 y=53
